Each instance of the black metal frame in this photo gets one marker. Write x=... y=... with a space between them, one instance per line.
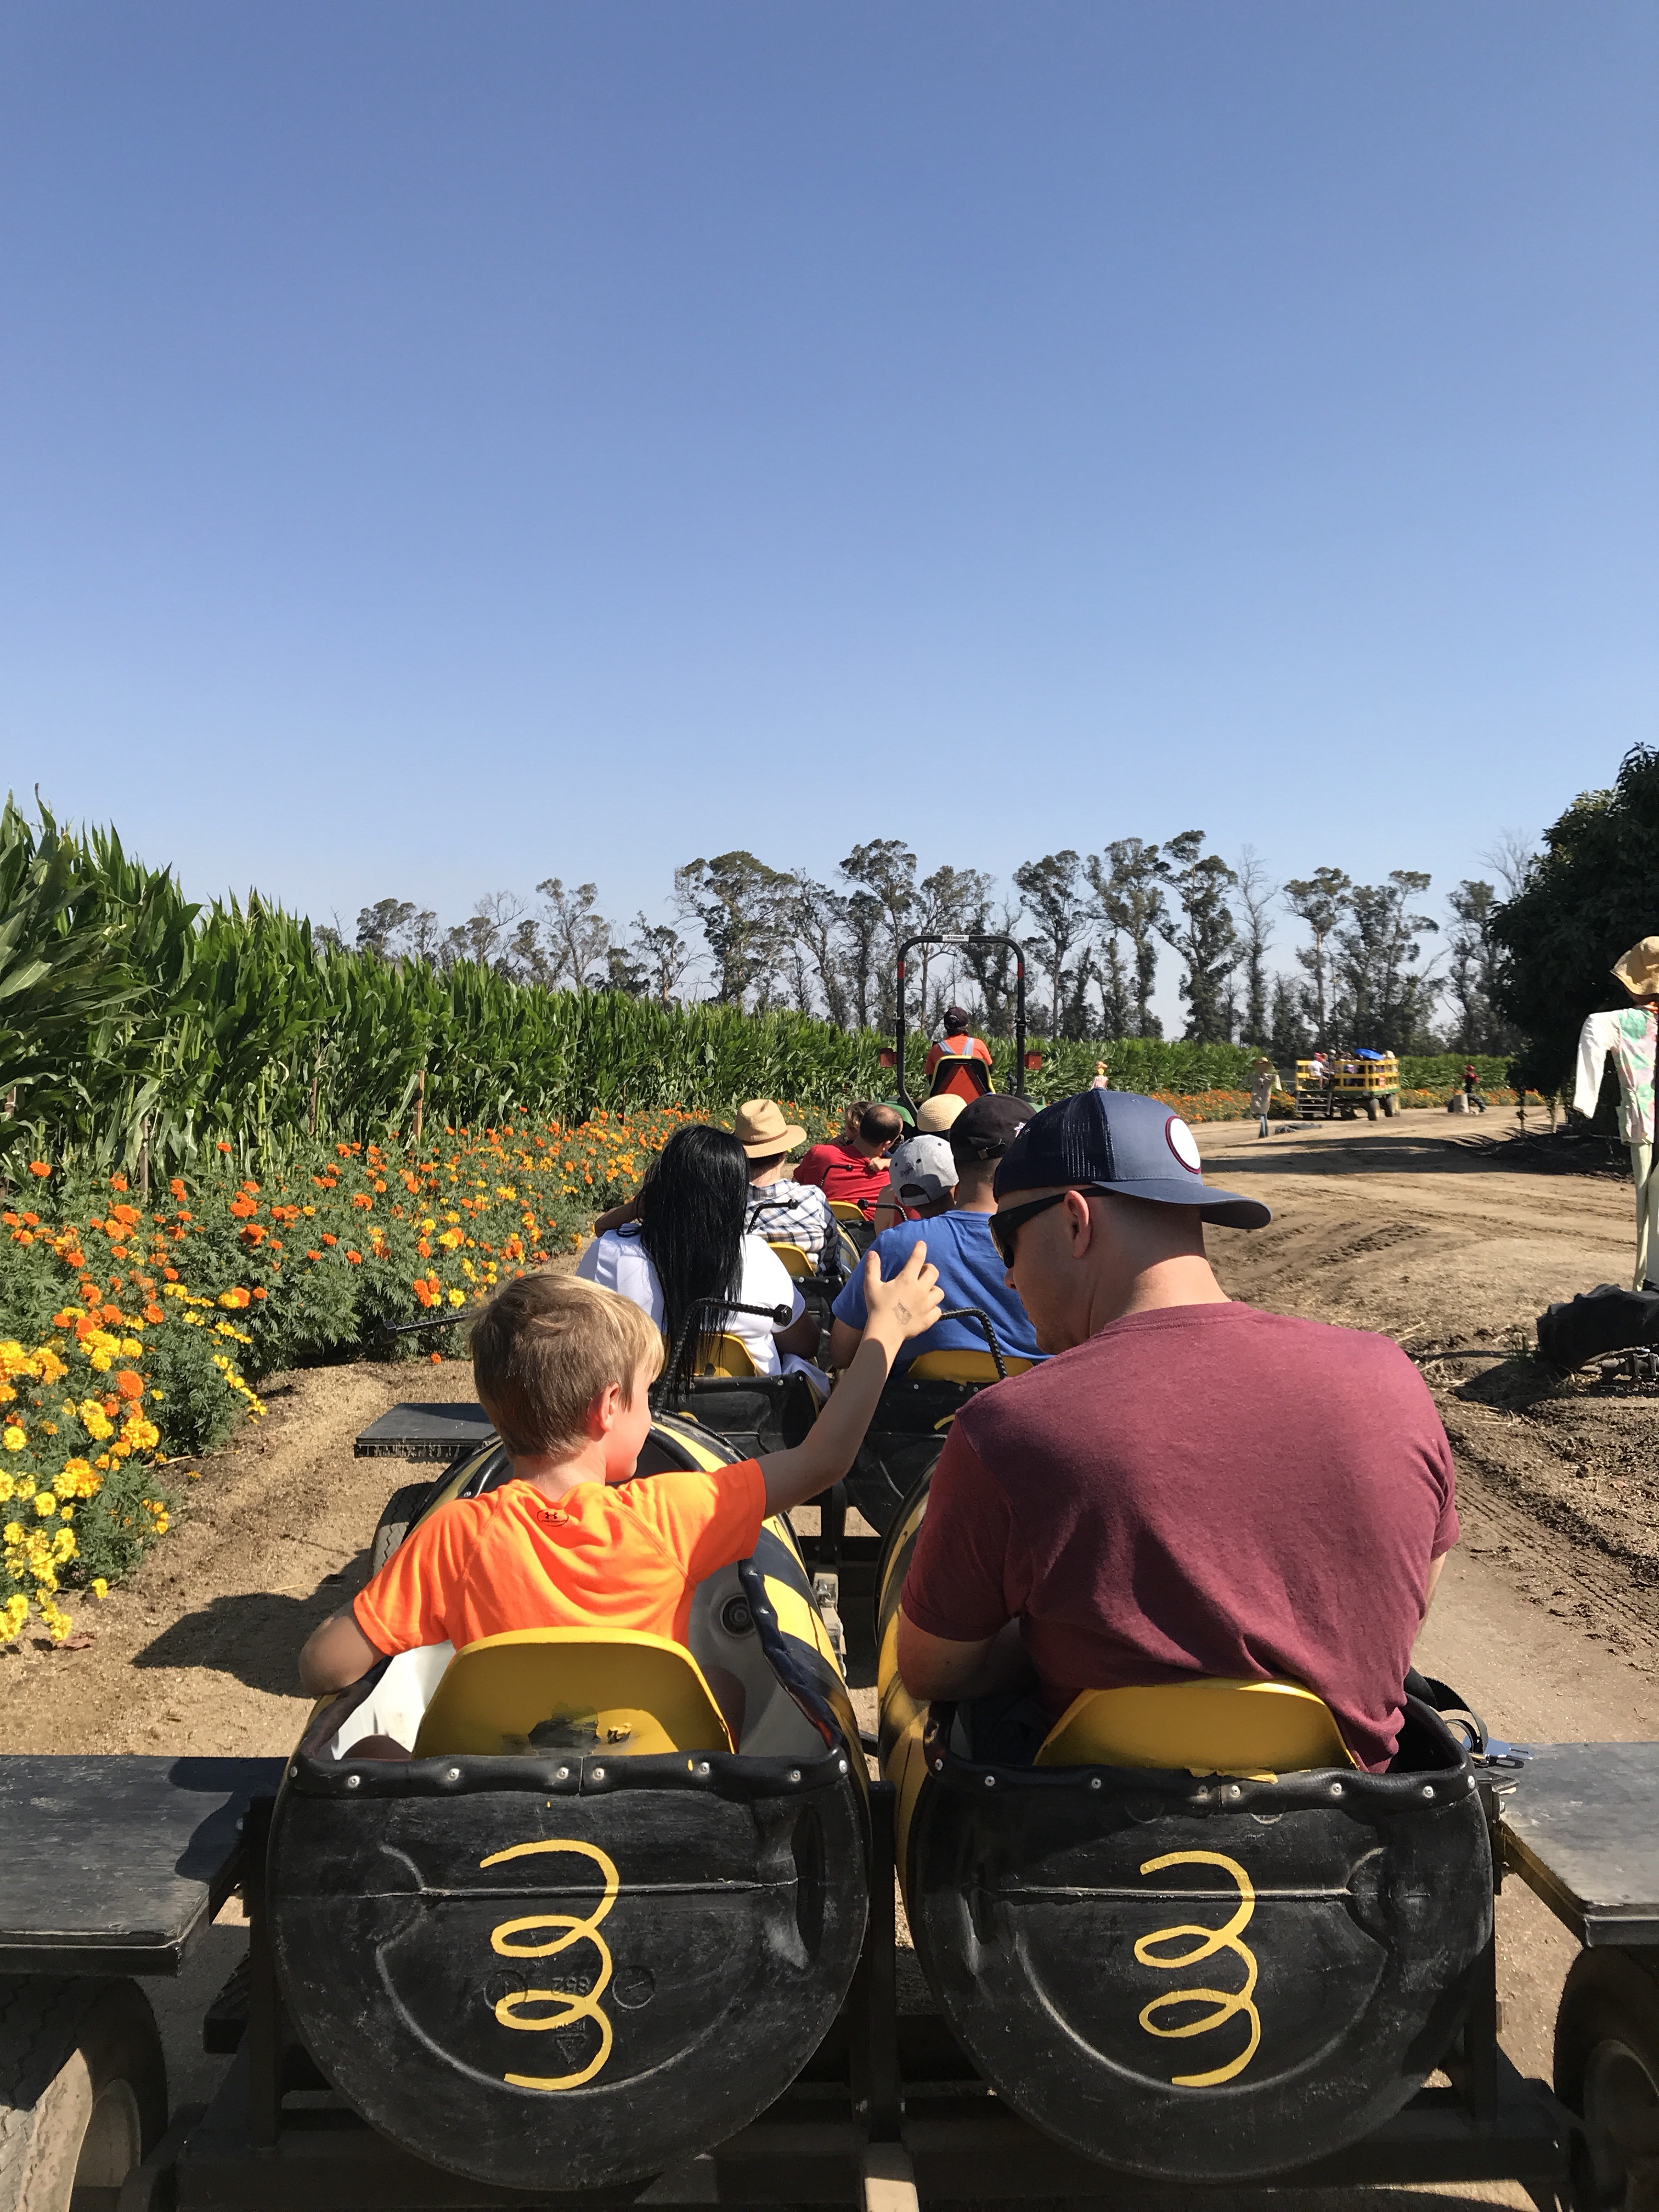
x=890 y=2096
x=959 y=937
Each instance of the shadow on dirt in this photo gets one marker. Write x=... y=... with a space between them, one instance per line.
x=253 y=1637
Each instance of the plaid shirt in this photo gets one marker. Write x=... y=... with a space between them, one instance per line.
x=792 y=1213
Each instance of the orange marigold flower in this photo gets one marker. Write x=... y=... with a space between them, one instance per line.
x=153 y=1314
x=177 y=1187
x=356 y=1258
x=223 y=1147
x=172 y=1273
x=329 y=1237
x=259 y=1293
x=41 y=1167
x=128 y=1384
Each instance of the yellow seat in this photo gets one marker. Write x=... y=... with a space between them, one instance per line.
x=797 y=1260
x=1209 y=1726
x=961 y=1366
x=616 y=1691
x=844 y=1210
x=724 y=1355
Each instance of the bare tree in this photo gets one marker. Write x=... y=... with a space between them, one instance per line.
x=743 y=907
x=664 y=954
x=423 y=938
x=1205 y=936
x=1512 y=859
x=818 y=950
x=1256 y=892
x=378 y=925
x=885 y=869
x=944 y=900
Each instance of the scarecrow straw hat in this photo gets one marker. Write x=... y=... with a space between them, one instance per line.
x=1638 y=968
x=762 y=1131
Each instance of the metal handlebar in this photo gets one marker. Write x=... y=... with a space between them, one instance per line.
x=780 y=1316
x=978 y=1314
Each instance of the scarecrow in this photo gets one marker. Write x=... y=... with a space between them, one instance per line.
x=1629 y=1035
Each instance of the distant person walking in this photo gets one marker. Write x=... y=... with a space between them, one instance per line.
x=1264 y=1081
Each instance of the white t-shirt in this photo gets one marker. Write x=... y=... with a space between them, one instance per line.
x=619 y=1261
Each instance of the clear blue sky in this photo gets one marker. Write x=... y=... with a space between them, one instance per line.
x=445 y=446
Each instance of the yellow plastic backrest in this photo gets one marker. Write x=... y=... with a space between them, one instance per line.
x=844 y=1210
x=577 y=1690
x=963 y=1366
x=727 y=1356
x=797 y=1260
x=1210 y=1727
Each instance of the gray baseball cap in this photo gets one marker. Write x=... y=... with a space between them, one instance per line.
x=922 y=1170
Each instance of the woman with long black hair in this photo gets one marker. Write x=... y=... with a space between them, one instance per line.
x=689 y=1243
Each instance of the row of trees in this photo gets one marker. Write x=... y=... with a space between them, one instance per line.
x=742 y=933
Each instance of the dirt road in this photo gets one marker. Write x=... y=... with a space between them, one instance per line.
x=1547 y=1618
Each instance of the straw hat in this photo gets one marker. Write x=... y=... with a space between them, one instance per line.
x=935 y=1115
x=1638 y=968
x=762 y=1131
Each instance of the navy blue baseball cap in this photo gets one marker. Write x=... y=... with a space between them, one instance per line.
x=1120 y=1141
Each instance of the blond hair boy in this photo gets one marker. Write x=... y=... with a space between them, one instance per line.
x=564 y=1371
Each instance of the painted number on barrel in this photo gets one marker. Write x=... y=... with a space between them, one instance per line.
x=575 y=1997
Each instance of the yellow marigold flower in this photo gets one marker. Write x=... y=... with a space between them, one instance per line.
x=13 y=1437
x=99 y=1588
x=130 y=1349
x=62 y=1547
x=12 y=1532
x=458 y=1297
x=25 y=1487
x=64 y=1485
x=6 y=1489
x=102 y=1361
x=44 y=1505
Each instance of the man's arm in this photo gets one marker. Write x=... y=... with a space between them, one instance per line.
x=897 y=1311
x=934 y=1666
x=336 y=1655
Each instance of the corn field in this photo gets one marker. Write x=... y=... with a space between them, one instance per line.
x=137 y=1030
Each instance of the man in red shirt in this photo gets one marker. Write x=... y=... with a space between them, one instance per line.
x=1188 y=1487
x=855 y=1172
x=957 y=1042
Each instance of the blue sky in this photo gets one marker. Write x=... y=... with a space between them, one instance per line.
x=445 y=446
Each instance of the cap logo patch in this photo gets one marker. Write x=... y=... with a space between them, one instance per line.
x=1183 y=1144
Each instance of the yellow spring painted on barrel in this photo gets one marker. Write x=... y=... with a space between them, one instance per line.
x=573 y=2006
x=1224 y=2004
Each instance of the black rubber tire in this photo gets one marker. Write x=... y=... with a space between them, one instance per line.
x=84 y=2089
x=1371 y=1110
x=1606 y=2070
x=1388 y=1105
x=401 y=1508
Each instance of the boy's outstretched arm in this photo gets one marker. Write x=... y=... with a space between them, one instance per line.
x=897 y=1311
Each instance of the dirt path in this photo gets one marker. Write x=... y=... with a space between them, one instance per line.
x=1548 y=1618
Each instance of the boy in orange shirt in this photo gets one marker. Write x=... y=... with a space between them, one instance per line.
x=564 y=1371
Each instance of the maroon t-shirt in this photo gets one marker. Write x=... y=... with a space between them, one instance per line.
x=842 y=1173
x=1199 y=1490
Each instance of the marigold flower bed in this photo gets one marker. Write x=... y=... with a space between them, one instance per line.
x=129 y=1334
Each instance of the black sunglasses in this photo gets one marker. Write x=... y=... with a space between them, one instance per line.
x=1007 y=1222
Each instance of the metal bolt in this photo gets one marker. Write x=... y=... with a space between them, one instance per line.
x=564 y=1774
x=1428 y=1789
x=451 y=1774
x=599 y=1773
x=294 y=1774
x=353 y=1780
x=939 y=1766
x=1094 y=1782
x=841 y=1766
x=794 y=1774
x=704 y=1769
x=1336 y=1789
x=990 y=1782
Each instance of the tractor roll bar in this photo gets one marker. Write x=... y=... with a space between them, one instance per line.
x=962 y=937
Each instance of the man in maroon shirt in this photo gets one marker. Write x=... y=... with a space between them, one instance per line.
x=855 y=1172
x=1188 y=1488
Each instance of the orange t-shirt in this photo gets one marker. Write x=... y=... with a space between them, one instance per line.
x=627 y=1555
